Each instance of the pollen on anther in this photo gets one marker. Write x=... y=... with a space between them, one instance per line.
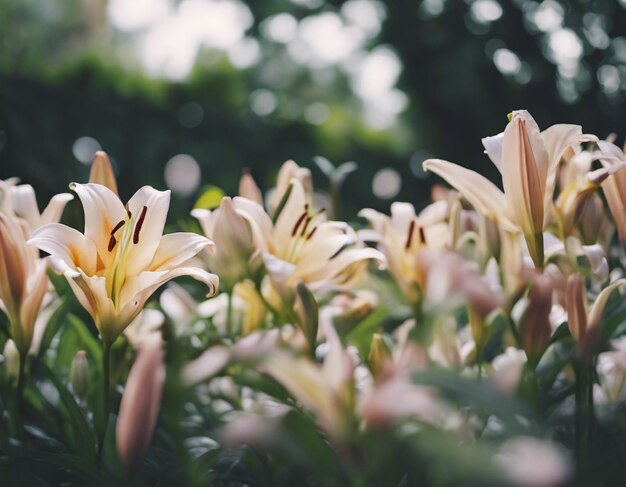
x=409 y=237
x=139 y=224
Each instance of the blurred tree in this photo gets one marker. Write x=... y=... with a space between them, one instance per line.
x=66 y=72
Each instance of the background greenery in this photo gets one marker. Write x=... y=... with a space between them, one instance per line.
x=66 y=72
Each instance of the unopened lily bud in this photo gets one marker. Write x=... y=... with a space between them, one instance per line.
x=379 y=356
x=11 y=360
x=535 y=322
x=307 y=311
x=79 y=374
x=140 y=404
x=249 y=189
x=102 y=171
x=576 y=306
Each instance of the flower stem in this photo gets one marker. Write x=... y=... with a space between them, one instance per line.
x=229 y=315
x=20 y=385
x=106 y=355
x=584 y=419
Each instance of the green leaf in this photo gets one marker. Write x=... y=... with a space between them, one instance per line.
x=83 y=440
x=54 y=324
x=361 y=335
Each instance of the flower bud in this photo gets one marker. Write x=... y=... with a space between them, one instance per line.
x=535 y=322
x=79 y=374
x=576 y=306
x=140 y=404
x=249 y=189
x=379 y=356
x=307 y=311
x=102 y=171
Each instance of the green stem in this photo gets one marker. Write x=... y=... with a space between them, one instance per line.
x=514 y=330
x=229 y=315
x=106 y=355
x=20 y=386
x=584 y=419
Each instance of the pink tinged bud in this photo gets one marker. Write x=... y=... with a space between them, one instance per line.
x=576 y=306
x=79 y=374
x=249 y=189
x=524 y=175
x=140 y=404
x=102 y=171
x=535 y=322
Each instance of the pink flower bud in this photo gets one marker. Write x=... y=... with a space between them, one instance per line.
x=139 y=408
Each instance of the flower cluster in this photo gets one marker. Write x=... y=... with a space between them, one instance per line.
x=486 y=329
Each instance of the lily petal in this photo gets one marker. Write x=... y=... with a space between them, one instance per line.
x=149 y=208
x=66 y=244
x=177 y=248
x=478 y=190
x=103 y=211
x=52 y=213
x=493 y=148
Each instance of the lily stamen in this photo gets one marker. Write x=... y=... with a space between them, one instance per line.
x=409 y=237
x=139 y=224
x=298 y=222
x=113 y=240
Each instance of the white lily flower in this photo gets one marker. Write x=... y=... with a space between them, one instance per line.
x=123 y=256
x=302 y=246
x=23 y=281
x=19 y=200
x=527 y=160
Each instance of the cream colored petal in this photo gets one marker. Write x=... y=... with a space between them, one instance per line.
x=557 y=139
x=206 y=219
x=148 y=230
x=305 y=381
x=52 y=213
x=478 y=190
x=206 y=365
x=260 y=222
x=137 y=289
x=292 y=218
x=92 y=294
x=376 y=219
x=279 y=270
x=249 y=189
x=24 y=204
x=524 y=172
x=338 y=367
x=402 y=214
x=103 y=211
x=595 y=315
x=343 y=261
x=37 y=287
x=231 y=231
x=317 y=255
x=493 y=148
x=177 y=248
x=68 y=245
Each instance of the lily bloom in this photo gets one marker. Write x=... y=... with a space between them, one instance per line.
x=302 y=246
x=122 y=257
x=527 y=160
x=399 y=237
x=20 y=200
x=23 y=280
